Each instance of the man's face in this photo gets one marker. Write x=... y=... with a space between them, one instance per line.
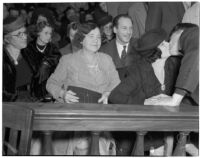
x=124 y=30
x=18 y=38
x=174 y=43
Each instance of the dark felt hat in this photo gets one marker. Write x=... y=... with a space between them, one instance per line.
x=11 y=24
x=151 y=39
x=102 y=18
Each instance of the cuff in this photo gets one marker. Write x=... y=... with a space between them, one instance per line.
x=180 y=91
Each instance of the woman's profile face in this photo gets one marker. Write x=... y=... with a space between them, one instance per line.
x=92 y=40
x=174 y=43
x=45 y=35
x=164 y=47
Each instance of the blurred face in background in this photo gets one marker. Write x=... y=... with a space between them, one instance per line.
x=45 y=35
x=103 y=6
x=41 y=18
x=92 y=41
x=108 y=29
x=14 y=12
x=70 y=14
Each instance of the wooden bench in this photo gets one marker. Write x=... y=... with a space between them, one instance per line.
x=50 y=117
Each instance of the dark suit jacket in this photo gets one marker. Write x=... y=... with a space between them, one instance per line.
x=111 y=49
x=188 y=78
x=142 y=82
x=164 y=14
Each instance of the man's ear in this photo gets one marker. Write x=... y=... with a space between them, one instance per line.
x=114 y=29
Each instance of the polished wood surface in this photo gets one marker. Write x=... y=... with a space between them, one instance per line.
x=50 y=117
x=110 y=117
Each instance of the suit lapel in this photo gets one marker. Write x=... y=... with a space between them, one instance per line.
x=116 y=57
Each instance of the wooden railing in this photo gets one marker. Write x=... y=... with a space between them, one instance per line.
x=51 y=117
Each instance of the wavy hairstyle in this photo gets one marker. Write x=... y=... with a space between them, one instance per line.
x=83 y=29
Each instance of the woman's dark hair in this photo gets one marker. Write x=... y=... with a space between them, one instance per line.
x=83 y=29
x=151 y=55
x=41 y=25
x=181 y=26
x=45 y=12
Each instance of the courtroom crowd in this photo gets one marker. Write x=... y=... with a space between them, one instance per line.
x=143 y=53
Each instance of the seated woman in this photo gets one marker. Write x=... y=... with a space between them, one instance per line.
x=16 y=72
x=153 y=74
x=87 y=76
x=104 y=21
x=43 y=57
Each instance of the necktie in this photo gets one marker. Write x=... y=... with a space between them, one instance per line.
x=123 y=53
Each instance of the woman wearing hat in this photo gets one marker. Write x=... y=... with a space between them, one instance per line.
x=155 y=73
x=16 y=72
x=104 y=21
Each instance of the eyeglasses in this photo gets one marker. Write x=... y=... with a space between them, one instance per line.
x=20 y=34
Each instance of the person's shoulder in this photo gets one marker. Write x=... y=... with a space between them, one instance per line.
x=133 y=41
x=108 y=45
x=104 y=56
x=65 y=50
x=67 y=57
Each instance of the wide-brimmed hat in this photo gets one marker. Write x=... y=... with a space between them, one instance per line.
x=151 y=39
x=102 y=18
x=11 y=24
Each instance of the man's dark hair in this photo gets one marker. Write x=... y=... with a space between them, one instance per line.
x=181 y=26
x=116 y=19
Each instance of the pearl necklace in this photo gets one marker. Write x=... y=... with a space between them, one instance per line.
x=41 y=50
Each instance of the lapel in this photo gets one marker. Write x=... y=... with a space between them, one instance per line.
x=115 y=55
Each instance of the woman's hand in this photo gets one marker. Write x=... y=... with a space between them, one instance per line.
x=70 y=97
x=104 y=98
x=164 y=100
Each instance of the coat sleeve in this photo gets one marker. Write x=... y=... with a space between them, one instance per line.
x=188 y=77
x=57 y=79
x=124 y=92
x=112 y=74
x=154 y=16
x=53 y=56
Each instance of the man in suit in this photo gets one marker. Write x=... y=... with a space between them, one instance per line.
x=121 y=49
x=123 y=53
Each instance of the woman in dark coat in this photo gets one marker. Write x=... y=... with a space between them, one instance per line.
x=43 y=57
x=155 y=73
x=16 y=72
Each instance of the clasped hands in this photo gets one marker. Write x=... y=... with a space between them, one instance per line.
x=161 y=100
x=70 y=97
